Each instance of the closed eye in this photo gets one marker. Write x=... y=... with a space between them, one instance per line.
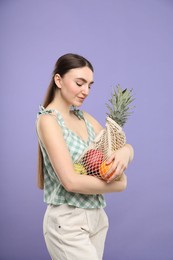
x=90 y=85
x=79 y=84
x=81 y=81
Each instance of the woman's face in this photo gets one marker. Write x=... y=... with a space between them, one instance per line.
x=75 y=85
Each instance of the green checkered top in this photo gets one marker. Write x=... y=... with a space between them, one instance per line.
x=54 y=192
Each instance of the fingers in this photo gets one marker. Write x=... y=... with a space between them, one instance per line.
x=110 y=159
x=114 y=178
x=115 y=171
x=119 y=162
x=117 y=168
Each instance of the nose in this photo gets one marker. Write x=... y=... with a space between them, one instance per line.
x=85 y=90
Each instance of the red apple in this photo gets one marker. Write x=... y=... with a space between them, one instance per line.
x=92 y=161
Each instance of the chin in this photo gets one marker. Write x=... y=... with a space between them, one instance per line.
x=77 y=104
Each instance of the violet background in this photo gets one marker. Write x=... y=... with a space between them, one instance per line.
x=129 y=42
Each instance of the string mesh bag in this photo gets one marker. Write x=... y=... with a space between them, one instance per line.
x=111 y=138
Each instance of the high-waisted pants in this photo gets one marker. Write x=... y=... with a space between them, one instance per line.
x=75 y=233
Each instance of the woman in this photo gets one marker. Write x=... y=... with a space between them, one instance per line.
x=75 y=223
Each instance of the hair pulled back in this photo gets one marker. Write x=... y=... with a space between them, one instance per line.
x=62 y=66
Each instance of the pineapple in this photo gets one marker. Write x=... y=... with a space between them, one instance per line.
x=111 y=138
x=119 y=108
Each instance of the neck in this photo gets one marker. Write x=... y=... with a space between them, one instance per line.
x=59 y=104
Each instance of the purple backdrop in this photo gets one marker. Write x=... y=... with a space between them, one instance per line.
x=129 y=42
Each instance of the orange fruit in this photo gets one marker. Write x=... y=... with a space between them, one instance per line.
x=103 y=170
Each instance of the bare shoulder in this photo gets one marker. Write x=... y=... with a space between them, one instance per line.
x=45 y=120
x=97 y=126
x=47 y=126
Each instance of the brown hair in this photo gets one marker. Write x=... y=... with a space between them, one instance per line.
x=62 y=66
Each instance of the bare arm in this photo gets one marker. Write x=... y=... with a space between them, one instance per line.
x=52 y=138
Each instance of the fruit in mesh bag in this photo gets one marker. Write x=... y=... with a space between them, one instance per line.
x=104 y=168
x=79 y=168
x=92 y=161
x=119 y=109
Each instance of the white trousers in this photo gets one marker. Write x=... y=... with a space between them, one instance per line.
x=74 y=233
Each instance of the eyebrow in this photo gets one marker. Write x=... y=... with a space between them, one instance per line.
x=84 y=80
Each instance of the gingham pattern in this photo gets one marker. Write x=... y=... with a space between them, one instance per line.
x=54 y=192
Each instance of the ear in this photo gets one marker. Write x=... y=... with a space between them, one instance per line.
x=57 y=79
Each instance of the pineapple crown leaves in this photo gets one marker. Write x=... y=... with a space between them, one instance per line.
x=119 y=105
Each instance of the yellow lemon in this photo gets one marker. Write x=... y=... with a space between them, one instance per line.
x=79 y=168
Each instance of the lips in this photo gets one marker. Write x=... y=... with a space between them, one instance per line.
x=81 y=98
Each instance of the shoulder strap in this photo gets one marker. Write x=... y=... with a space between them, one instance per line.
x=78 y=113
x=54 y=112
